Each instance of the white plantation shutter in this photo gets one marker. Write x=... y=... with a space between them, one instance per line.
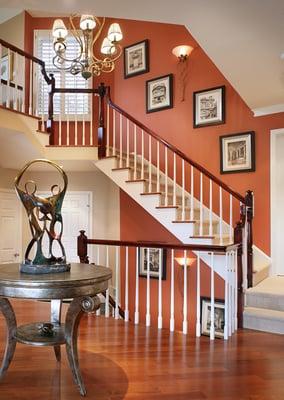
x=68 y=103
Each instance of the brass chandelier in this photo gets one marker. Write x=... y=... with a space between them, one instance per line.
x=86 y=35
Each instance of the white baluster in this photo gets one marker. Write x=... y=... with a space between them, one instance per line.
x=126 y=312
x=150 y=164
x=166 y=176
x=201 y=206
x=226 y=305
x=183 y=191
x=142 y=154
x=160 y=311
x=83 y=128
x=120 y=140
x=98 y=254
x=135 y=152
x=31 y=89
x=210 y=209
x=113 y=133
x=127 y=143
x=68 y=122
x=184 y=323
x=42 y=112
x=107 y=132
x=221 y=215
x=175 y=181
x=172 y=317
x=136 y=313
x=8 y=79
x=198 y=316
x=91 y=124
x=15 y=74
x=116 y=314
x=107 y=291
x=212 y=294
x=60 y=126
x=148 y=316
x=191 y=193
x=76 y=120
x=236 y=288
x=23 y=63
x=158 y=167
x=231 y=219
x=230 y=294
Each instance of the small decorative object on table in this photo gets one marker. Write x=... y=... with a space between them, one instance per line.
x=44 y=216
x=136 y=59
x=209 y=107
x=159 y=93
x=237 y=153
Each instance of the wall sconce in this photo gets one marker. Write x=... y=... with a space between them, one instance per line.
x=181 y=261
x=182 y=53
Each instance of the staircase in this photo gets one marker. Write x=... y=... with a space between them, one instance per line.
x=191 y=203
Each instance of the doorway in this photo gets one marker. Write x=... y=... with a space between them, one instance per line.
x=277 y=200
x=10 y=227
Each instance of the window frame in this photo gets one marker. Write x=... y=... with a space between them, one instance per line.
x=47 y=33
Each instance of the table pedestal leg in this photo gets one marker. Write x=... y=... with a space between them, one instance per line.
x=75 y=311
x=56 y=306
x=10 y=318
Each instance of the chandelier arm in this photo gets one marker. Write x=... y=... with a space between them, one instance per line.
x=75 y=35
x=77 y=59
x=101 y=25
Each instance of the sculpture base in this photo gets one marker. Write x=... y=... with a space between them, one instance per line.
x=44 y=269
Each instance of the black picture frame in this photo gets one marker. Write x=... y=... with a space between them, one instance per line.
x=159 y=93
x=205 y=309
x=154 y=266
x=139 y=54
x=209 y=107
x=237 y=152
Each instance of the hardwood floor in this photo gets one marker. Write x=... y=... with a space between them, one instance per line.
x=122 y=361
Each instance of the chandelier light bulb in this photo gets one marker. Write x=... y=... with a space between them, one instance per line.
x=182 y=52
x=59 y=30
x=114 y=33
x=87 y=22
x=107 y=47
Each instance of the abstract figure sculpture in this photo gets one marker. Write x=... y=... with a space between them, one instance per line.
x=44 y=214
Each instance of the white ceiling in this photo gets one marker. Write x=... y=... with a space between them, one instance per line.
x=244 y=38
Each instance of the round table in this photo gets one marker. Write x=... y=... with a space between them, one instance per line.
x=82 y=284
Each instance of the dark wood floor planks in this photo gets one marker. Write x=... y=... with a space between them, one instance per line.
x=122 y=361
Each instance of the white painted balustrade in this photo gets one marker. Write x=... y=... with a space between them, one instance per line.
x=139 y=288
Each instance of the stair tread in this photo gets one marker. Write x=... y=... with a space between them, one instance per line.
x=272 y=286
x=186 y=221
x=264 y=312
x=171 y=206
x=135 y=180
x=149 y=193
x=120 y=169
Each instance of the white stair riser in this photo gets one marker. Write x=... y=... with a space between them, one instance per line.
x=262 y=300
x=263 y=324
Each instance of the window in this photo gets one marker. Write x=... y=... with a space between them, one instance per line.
x=68 y=103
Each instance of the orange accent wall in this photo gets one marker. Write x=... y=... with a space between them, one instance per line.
x=176 y=124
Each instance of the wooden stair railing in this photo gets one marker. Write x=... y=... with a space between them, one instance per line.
x=147 y=156
x=121 y=262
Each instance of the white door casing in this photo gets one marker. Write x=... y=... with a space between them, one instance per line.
x=277 y=200
x=10 y=227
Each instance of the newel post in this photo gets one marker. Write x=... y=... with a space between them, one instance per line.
x=49 y=122
x=238 y=239
x=249 y=218
x=101 y=129
x=82 y=248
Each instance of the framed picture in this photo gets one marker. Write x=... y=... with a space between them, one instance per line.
x=219 y=317
x=209 y=107
x=136 y=59
x=154 y=262
x=159 y=93
x=237 y=153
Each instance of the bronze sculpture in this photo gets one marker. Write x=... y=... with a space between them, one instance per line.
x=44 y=214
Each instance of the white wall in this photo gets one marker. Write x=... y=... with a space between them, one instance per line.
x=106 y=209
